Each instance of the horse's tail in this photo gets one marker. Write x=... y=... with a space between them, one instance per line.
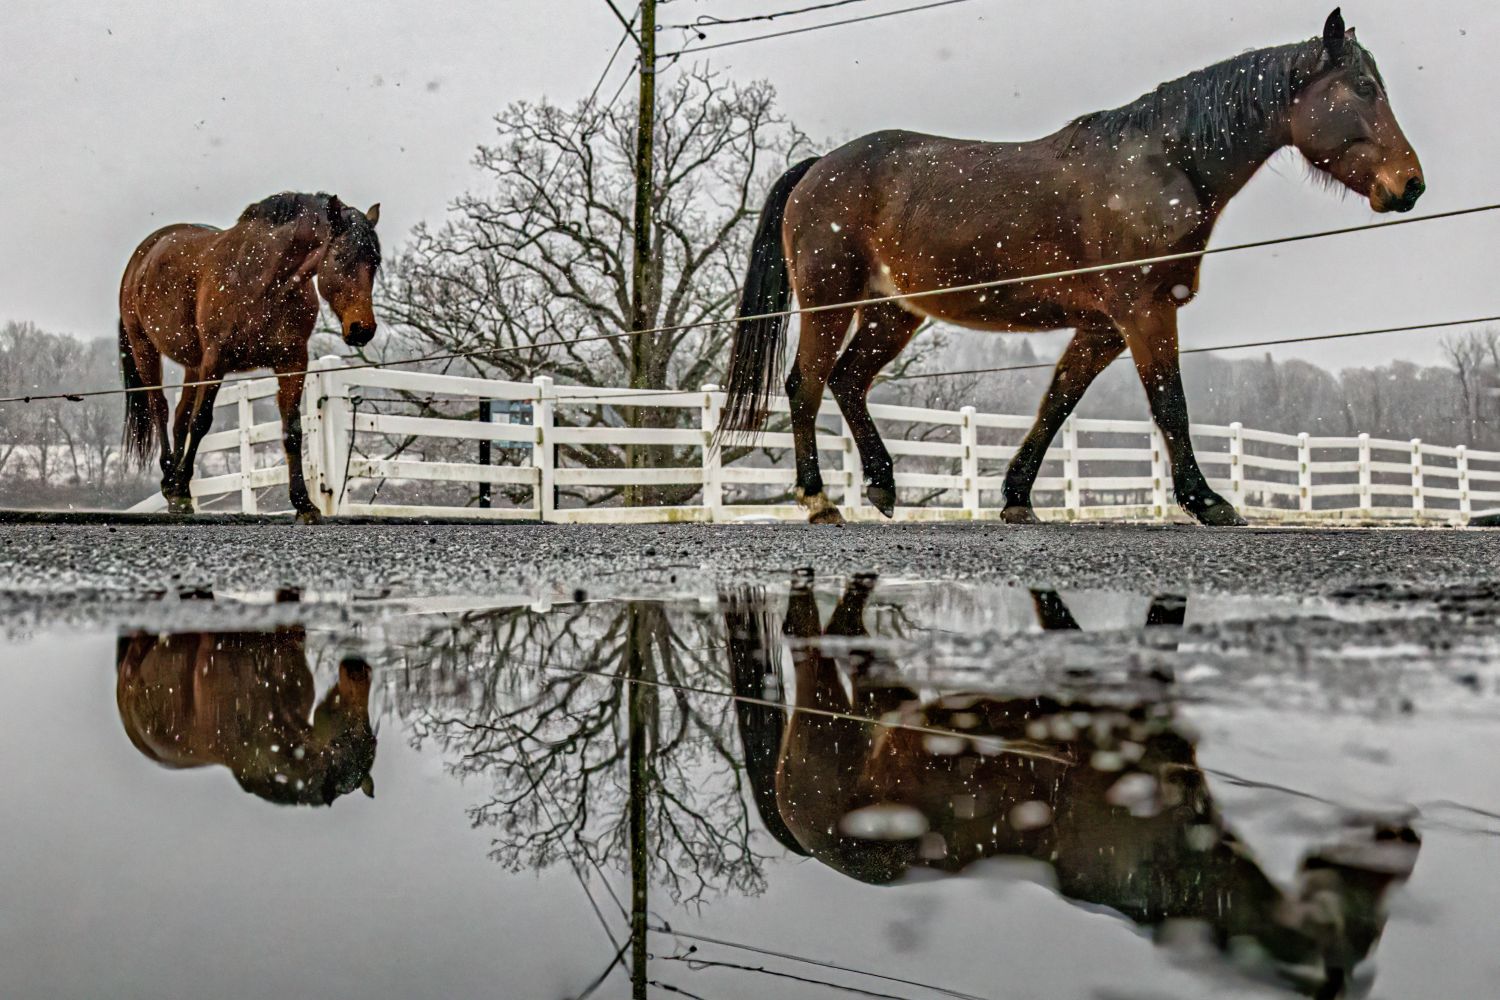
x=755 y=356
x=140 y=429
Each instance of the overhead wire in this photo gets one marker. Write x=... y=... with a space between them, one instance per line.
x=813 y=27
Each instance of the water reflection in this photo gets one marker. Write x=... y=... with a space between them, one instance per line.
x=675 y=744
x=873 y=780
x=244 y=700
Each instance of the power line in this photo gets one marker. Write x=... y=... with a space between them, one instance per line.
x=1226 y=347
x=814 y=27
x=802 y=310
x=710 y=21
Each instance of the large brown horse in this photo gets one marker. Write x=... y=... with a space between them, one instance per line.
x=854 y=776
x=221 y=301
x=244 y=700
x=896 y=213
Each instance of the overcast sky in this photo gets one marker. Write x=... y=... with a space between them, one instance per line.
x=117 y=117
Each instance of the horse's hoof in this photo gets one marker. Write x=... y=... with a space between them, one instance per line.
x=827 y=515
x=882 y=498
x=820 y=509
x=1019 y=514
x=180 y=505
x=309 y=517
x=1219 y=515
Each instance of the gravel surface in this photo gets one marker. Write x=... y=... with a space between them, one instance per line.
x=75 y=564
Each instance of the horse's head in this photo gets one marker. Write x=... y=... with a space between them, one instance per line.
x=1343 y=123
x=346 y=275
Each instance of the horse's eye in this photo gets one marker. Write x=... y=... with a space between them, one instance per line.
x=1365 y=89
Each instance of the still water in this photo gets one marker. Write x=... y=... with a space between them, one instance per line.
x=842 y=787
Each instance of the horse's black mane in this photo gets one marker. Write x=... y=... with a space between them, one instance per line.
x=286 y=206
x=349 y=224
x=1212 y=107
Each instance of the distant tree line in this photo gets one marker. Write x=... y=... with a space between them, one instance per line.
x=57 y=453
x=1447 y=404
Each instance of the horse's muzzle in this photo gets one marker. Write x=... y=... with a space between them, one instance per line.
x=359 y=334
x=1406 y=200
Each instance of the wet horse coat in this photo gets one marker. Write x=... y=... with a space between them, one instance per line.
x=896 y=213
x=245 y=700
x=222 y=301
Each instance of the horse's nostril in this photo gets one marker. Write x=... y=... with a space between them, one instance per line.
x=361 y=333
x=1414 y=189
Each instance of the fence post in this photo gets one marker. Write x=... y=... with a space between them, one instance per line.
x=1366 y=495
x=854 y=495
x=338 y=437
x=543 y=456
x=245 y=414
x=968 y=436
x=1237 y=464
x=486 y=416
x=713 y=455
x=1158 y=473
x=316 y=465
x=1072 y=497
x=1304 y=474
x=1418 y=503
x=1465 y=508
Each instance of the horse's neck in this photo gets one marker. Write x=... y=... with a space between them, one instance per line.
x=1222 y=171
x=269 y=256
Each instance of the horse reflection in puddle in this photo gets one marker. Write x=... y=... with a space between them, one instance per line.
x=244 y=700
x=874 y=781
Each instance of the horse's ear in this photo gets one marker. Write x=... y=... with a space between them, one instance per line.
x=1333 y=35
x=373 y=214
x=368 y=786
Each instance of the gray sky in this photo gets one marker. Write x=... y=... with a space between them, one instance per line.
x=119 y=117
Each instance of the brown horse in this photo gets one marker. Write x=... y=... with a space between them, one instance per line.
x=896 y=213
x=1116 y=807
x=221 y=301
x=245 y=700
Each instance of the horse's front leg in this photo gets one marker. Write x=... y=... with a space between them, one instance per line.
x=289 y=381
x=1152 y=336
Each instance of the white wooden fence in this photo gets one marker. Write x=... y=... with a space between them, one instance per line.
x=954 y=460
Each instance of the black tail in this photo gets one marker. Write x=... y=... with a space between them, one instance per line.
x=753 y=649
x=140 y=429
x=755 y=357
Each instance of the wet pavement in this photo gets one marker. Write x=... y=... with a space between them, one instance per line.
x=935 y=762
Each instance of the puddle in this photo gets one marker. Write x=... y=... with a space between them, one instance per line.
x=837 y=787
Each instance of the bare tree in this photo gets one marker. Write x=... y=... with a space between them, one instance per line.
x=535 y=268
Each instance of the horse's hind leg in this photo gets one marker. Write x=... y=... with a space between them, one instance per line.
x=1088 y=353
x=174 y=483
x=195 y=415
x=884 y=329
x=817 y=348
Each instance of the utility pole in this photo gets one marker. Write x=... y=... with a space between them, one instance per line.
x=640 y=319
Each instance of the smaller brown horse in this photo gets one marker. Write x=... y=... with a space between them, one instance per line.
x=223 y=301
x=243 y=700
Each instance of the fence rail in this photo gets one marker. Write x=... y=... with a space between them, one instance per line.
x=950 y=462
